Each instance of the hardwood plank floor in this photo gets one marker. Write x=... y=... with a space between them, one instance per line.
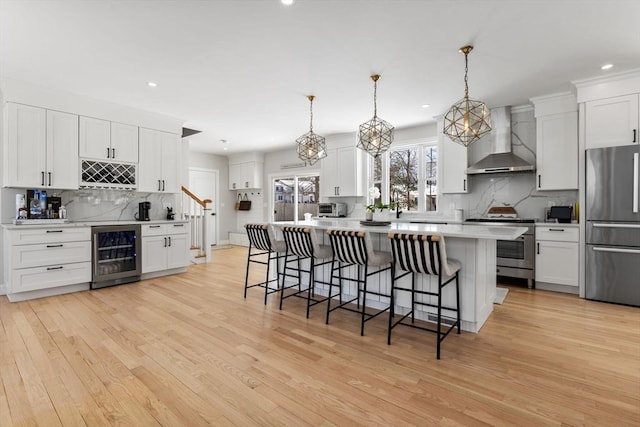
x=188 y=350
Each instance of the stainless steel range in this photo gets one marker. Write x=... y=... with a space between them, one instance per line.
x=515 y=258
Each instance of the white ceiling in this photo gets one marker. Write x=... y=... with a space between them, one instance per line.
x=240 y=70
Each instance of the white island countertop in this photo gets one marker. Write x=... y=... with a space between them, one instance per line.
x=464 y=231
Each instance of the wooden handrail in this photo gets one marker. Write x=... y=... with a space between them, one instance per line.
x=202 y=203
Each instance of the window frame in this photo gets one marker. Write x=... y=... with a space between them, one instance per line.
x=420 y=144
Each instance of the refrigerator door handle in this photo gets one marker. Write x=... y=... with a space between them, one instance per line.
x=600 y=225
x=635 y=182
x=616 y=250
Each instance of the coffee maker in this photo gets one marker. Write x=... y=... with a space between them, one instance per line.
x=143 y=211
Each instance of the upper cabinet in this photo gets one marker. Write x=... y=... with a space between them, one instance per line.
x=453 y=166
x=159 y=166
x=245 y=171
x=612 y=121
x=105 y=140
x=453 y=162
x=41 y=148
x=556 y=142
x=342 y=173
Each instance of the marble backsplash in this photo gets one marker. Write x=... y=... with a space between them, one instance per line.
x=100 y=204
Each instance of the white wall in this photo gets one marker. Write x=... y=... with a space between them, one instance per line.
x=225 y=205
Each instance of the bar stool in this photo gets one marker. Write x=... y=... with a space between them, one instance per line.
x=423 y=254
x=301 y=243
x=262 y=238
x=354 y=248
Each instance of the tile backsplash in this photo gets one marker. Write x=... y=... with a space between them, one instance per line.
x=99 y=205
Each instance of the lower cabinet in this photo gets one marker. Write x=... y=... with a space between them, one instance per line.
x=557 y=255
x=45 y=258
x=164 y=247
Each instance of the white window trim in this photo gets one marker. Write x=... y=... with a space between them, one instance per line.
x=295 y=175
x=384 y=193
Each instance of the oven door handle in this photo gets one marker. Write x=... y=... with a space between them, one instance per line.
x=616 y=250
x=601 y=225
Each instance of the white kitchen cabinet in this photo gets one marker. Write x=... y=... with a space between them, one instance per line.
x=557 y=151
x=164 y=247
x=612 y=121
x=41 y=147
x=45 y=258
x=556 y=141
x=159 y=165
x=342 y=173
x=105 y=140
x=245 y=175
x=452 y=162
x=557 y=255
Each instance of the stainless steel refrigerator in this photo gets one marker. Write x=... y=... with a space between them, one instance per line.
x=613 y=225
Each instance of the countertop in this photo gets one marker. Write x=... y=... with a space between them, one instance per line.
x=465 y=231
x=57 y=223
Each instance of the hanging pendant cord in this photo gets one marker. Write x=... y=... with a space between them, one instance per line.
x=311 y=115
x=466 y=69
x=375 y=96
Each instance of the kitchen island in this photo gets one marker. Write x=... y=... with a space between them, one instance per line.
x=473 y=245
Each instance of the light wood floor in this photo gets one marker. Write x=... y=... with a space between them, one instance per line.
x=188 y=350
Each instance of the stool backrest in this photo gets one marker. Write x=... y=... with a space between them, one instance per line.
x=349 y=246
x=300 y=241
x=418 y=253
x=261 y=236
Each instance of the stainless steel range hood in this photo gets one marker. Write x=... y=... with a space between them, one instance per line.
x=501 y=158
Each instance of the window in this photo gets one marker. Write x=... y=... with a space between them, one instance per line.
x=408 y=175
x=294 y=196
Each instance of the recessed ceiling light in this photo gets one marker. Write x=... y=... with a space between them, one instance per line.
x=225 y=148
x=224 y=141
x=287 y=2
x=152 y=84
x=606 y=67
x=425 y=105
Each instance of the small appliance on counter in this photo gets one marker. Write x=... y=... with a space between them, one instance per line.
x=560 y=214
x=332 y=210
x=170 y=214
x=143 y=211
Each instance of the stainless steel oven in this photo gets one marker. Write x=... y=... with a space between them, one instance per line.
x=515 y=258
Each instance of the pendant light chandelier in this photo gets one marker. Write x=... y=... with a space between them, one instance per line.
x=467 y=120
x=376 y=135
x=311 y=147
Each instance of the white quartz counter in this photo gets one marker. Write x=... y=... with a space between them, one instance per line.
x=465 y=231
x=58 y=224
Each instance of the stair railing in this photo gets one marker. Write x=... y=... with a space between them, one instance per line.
x=196 y=211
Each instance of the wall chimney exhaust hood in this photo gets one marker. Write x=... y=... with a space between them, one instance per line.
x=501 y=158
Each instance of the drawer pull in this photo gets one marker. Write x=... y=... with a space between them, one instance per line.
x=54 y=231
x=556 y=229
x=55 y=246
x=154 y=226
x=178 y=225
x=55 y=268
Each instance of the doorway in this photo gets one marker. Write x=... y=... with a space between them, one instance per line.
x=204 y=184
x=295 y=195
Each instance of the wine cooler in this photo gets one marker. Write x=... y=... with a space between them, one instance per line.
x=116 y=255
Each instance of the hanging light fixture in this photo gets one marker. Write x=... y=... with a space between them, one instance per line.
x=311 y=146
x=376 y=135
x=467 y=120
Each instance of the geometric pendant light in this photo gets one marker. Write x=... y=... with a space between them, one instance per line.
x=310 y=146
x=467 y=120
x=376 y=135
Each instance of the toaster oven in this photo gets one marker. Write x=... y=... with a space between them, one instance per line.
x=332 y=210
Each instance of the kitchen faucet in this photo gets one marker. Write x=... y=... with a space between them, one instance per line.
x=397 y=200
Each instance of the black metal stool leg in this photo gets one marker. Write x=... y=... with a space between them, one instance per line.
x=246 y=277
x=458 y=301
x=266 y=282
